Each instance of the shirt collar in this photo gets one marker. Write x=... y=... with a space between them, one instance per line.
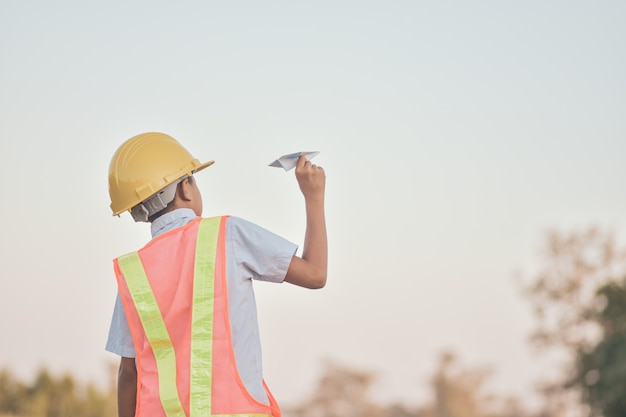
x=172 y=220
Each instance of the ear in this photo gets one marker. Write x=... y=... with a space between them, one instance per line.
x=183 y=191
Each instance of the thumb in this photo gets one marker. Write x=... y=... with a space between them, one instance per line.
x=301 y=161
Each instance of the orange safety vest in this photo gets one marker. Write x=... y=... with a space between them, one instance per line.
x=175 y=296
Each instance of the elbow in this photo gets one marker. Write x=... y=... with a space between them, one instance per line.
x=306 y=274
x=318 y=281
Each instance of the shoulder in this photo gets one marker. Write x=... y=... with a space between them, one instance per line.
x=237 y=225
x=245 y=233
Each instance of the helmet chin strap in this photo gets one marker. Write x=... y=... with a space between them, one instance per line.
x=142 y=211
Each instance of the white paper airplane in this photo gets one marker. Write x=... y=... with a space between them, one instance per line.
x=289 y=161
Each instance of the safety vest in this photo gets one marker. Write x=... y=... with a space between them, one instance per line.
x=175 y=297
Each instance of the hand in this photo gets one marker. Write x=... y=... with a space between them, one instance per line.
x=310 y=271
x=311 y=179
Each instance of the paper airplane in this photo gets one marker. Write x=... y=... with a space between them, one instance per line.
x=289 y=161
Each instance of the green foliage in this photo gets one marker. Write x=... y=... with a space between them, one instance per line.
x=602 y=369
x=50 y=396
x=581 y=314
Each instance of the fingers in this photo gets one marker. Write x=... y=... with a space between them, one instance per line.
x=304 y=163
x=311 y=179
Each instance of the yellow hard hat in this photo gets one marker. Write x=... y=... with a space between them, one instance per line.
x=144 y=165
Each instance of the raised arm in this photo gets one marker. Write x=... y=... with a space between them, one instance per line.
x=310 y=270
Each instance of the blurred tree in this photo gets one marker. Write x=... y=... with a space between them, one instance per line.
x=341 y=392
x=457 y=392
x=40 y=396
x=400 y=410
x=12 y=393
x=564 y=299
x=460 y=392
x=54 y=397
x=602 y=370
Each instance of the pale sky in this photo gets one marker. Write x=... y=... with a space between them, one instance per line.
x=453 y=134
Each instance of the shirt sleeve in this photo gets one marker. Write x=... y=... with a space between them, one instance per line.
x=259 y=253
x=120 y=339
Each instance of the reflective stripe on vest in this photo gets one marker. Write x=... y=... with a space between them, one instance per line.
x=201 y=350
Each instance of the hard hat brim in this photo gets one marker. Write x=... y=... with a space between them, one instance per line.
x=202 y=166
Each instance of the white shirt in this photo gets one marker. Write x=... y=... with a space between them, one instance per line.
x=251 y=253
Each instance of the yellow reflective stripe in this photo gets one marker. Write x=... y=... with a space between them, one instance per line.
x=200 y=390
x=156 y=332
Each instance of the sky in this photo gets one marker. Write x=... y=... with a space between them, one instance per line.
x=453 y=135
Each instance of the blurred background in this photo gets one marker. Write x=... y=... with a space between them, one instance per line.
x=474 y=154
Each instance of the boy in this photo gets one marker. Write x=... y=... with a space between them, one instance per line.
x=185 y=321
